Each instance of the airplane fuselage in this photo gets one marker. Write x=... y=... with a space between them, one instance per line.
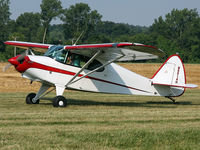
x=113 y=79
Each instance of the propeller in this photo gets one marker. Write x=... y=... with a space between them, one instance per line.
x=13 y=60
x=22 y=56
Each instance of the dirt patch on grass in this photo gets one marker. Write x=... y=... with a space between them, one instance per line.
x=11 y=80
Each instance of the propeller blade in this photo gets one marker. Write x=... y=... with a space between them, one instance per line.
x=6 y=67
x=22 y=56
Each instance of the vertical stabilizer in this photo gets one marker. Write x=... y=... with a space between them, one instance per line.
x=171 y=73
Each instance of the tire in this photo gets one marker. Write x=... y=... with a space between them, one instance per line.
x=59 y=101
x=29 y=99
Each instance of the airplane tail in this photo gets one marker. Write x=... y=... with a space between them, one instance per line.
x=172 y=75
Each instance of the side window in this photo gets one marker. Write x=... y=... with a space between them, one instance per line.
x=79 y=61
x=95 y=64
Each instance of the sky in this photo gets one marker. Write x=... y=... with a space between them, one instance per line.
x=134 y=12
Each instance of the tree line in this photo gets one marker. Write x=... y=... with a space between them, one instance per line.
x=176 y=32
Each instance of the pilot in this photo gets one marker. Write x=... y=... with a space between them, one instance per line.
x=69 y=60
x=76 y=60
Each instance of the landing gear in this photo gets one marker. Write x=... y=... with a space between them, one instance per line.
x=59 y=101
x=30 y=99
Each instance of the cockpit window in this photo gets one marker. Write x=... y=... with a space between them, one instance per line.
x=57 y=53
x=61 y=55
x=93 y=65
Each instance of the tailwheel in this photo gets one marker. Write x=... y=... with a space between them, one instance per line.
x=59 y=101
x=30 y=99
x=172 y=99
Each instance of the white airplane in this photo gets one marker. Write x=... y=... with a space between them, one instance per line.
x=91 y=68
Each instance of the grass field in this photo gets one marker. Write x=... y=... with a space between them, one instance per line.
x=101 y=121
x=98 y=121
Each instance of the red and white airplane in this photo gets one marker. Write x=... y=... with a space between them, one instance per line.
x=91 y=67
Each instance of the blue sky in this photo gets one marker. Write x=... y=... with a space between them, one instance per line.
x=135 y=12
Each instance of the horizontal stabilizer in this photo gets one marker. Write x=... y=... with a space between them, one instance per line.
x=191 y=86
x=182 y=86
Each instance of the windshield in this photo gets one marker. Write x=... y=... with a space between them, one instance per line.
x=57 y=53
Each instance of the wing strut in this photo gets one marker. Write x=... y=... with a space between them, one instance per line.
x=91 y=59
x=92 y=71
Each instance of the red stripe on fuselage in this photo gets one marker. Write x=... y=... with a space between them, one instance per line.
x=53 y=69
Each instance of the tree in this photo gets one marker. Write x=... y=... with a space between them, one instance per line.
x=28 y=25
x=79 y=18
x=181 y=30
x=4 y=19
x=119 y=31
x=49 y=10
x=56 y=34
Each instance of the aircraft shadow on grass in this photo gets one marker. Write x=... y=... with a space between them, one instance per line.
x=151 y=104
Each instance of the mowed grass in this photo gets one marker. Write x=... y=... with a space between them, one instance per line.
x=101 y=121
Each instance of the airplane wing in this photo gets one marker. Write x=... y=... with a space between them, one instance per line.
x=27 y=45
x=109 y=51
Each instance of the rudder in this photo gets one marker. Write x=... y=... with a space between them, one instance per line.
x=171 y=73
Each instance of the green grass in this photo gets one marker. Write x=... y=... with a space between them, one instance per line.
x=101 y=121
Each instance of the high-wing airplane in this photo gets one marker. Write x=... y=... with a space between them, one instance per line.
x=91 y=67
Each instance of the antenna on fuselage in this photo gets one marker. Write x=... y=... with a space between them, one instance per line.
x=77 y=38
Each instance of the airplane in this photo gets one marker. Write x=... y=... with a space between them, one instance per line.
x=91 y=67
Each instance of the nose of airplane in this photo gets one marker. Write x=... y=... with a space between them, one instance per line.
x=14 y=61
x=20 y=62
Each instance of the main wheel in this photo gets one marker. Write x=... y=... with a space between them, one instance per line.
x=30 y=100
x=59 y=101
